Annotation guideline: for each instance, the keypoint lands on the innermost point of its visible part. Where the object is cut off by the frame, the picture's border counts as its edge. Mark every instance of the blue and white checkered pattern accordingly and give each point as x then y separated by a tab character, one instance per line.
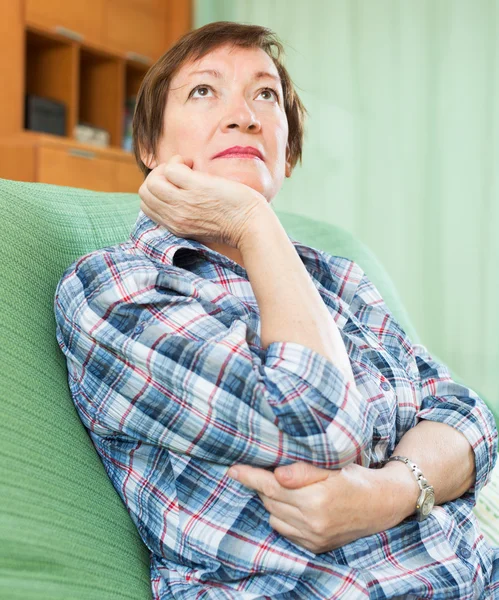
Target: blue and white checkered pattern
166	369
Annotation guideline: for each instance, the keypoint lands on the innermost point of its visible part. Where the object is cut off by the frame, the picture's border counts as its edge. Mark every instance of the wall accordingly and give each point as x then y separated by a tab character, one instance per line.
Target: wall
402	150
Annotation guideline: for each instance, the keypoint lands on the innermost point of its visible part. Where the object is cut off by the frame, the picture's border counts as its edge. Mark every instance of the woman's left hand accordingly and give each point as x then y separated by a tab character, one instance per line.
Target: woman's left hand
320	509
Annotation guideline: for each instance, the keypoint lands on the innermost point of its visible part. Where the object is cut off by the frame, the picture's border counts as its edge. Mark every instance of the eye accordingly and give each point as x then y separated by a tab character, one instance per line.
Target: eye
276	95
200	87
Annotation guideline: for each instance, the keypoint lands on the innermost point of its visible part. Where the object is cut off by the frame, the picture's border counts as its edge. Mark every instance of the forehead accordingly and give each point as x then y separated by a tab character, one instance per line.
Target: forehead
226	58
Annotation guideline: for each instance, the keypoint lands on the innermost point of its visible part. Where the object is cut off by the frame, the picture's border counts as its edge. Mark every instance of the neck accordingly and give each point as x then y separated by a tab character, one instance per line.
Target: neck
229	251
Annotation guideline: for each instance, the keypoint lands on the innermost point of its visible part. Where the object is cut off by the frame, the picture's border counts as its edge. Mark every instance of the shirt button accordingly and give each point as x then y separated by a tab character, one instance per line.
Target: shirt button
464	551
139	329
385	385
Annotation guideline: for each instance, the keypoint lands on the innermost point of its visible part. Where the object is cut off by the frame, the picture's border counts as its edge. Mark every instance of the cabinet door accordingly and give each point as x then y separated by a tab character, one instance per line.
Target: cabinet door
85	18
76	168
137	28
128	177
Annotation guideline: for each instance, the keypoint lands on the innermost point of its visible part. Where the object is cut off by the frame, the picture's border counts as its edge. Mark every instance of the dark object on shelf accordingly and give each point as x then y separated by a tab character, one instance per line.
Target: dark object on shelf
44	114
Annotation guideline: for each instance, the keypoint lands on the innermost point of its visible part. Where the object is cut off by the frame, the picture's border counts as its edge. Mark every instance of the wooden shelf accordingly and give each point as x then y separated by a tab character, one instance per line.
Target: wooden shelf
32	156
101	97
51	69
46	139
91	57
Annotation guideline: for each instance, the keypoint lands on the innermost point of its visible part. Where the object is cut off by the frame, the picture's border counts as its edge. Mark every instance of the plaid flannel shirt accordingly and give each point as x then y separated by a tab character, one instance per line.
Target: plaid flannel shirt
166	370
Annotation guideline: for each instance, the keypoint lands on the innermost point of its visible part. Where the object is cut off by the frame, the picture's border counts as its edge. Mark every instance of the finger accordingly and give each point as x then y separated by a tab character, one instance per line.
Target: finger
181	160
158	193
286	530
300	474
285	512
263	481
156	209
150	213
176	171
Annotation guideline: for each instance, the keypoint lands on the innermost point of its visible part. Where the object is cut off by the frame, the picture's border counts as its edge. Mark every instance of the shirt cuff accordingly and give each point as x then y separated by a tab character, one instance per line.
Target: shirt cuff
309	365
479	428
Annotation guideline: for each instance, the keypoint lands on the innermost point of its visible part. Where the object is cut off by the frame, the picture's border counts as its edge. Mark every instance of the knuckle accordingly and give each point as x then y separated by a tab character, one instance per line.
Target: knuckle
268	503
308	545
274	523
168	170
269	489
315	504
317	526
153	186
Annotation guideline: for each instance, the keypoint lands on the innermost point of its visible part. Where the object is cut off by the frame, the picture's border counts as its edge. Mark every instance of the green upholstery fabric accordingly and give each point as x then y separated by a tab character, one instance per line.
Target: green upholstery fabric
64	532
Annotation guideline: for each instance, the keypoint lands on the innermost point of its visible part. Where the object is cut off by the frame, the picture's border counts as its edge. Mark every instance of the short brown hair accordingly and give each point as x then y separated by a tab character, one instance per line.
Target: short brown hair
151	98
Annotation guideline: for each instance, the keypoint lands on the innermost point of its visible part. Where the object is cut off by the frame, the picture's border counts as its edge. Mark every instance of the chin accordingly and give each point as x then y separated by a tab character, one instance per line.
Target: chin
261	182
253	180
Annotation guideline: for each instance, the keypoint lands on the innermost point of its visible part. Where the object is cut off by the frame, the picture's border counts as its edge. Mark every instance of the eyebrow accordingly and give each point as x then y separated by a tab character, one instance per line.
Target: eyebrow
258	75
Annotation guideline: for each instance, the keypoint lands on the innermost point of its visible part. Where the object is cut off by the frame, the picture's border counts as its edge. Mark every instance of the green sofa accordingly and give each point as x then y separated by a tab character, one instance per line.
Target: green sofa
64	532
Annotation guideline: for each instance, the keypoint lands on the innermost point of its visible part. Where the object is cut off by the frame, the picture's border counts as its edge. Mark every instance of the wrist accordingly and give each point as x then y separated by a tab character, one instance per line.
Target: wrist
258	225
398	490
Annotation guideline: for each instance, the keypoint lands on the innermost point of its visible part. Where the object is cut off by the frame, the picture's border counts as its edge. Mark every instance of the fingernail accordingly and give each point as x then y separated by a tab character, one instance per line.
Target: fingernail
233	473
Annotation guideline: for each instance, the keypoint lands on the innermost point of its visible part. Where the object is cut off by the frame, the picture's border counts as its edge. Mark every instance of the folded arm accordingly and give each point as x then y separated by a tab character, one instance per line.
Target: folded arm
453	441
149	359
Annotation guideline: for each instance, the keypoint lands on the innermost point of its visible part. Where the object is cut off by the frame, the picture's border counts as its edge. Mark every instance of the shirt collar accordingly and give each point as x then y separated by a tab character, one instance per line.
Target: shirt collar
159	243
340	275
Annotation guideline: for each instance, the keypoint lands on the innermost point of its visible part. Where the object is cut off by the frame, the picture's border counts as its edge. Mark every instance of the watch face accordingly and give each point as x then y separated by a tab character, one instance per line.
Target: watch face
428	503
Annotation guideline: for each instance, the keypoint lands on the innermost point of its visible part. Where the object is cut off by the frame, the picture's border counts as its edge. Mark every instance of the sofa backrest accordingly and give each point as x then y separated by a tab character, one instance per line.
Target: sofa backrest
65	532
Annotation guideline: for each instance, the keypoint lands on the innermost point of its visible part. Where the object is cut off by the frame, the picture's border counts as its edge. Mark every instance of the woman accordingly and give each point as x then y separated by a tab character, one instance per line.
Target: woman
211	339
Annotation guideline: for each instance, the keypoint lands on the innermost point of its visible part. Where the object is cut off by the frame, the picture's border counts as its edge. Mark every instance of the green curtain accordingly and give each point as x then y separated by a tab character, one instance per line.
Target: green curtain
402	149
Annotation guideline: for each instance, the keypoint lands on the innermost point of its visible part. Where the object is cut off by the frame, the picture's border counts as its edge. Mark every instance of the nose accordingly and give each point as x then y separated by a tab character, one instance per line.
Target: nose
239	115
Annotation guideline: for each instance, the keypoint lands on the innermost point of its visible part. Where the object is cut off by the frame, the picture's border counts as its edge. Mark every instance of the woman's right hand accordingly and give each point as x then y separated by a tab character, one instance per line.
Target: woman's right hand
198	205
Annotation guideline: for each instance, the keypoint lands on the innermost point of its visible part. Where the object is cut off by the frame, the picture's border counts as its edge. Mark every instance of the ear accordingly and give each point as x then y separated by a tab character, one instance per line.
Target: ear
288	169
148	160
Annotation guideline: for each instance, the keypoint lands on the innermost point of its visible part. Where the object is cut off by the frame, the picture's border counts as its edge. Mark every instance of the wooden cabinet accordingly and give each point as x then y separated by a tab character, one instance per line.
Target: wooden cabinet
75	167
82	20
128	177
44	158
90	56
136	28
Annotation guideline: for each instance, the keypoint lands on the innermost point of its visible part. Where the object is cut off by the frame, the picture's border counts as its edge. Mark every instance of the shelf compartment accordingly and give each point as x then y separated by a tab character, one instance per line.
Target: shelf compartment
51	71
135	73
101	93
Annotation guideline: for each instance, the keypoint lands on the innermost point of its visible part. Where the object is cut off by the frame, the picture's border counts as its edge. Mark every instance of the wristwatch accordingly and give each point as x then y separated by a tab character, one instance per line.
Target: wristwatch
426	499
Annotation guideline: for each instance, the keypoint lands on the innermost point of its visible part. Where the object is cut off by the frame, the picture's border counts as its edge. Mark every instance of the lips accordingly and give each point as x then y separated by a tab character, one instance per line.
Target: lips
242	151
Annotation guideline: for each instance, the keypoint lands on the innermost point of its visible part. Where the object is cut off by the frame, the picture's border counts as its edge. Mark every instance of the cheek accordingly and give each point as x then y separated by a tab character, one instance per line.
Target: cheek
181	138
279	138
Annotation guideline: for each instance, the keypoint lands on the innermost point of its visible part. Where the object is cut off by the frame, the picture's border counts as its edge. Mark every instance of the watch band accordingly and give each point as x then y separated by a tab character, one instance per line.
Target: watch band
426	499
418	474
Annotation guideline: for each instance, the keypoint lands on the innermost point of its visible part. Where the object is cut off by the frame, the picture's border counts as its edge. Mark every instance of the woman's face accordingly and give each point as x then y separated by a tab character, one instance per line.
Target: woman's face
207	113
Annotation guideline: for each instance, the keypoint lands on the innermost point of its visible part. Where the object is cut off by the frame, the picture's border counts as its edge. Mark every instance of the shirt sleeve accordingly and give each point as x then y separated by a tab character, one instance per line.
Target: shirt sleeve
445	401
442	399
149	359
